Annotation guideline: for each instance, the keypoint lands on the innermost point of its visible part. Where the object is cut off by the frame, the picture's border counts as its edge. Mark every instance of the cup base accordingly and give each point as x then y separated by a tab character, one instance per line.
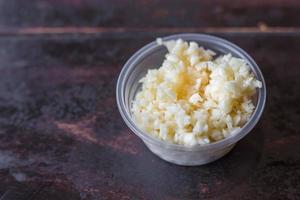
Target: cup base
189	158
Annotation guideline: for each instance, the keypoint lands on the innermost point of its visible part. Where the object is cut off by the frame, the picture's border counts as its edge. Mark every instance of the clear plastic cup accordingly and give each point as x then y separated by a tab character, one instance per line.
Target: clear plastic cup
151	56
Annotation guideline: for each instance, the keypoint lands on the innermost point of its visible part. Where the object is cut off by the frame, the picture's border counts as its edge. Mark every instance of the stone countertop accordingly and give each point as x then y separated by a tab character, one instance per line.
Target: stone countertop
61	134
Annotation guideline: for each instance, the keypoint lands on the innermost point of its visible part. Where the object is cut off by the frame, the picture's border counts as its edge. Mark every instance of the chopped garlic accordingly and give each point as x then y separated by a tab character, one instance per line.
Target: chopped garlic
195	99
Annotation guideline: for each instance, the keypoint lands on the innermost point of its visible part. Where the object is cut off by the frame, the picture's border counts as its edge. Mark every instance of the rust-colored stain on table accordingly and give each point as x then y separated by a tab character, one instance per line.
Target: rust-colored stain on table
62	137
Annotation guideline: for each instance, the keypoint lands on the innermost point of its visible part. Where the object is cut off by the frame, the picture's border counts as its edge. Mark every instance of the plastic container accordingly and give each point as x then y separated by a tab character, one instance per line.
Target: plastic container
152	56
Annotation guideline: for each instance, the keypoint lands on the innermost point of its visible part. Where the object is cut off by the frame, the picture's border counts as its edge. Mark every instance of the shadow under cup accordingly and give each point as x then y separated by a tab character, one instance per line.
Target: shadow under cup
151	56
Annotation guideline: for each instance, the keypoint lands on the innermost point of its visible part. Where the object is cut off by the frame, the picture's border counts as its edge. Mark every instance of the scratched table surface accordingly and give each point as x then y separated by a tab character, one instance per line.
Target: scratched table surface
61	135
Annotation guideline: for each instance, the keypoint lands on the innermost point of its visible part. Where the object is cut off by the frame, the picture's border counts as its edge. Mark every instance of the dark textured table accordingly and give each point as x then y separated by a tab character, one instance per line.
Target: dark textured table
61	135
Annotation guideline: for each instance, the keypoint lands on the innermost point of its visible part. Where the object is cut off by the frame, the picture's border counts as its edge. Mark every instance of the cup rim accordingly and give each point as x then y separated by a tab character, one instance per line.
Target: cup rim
142	53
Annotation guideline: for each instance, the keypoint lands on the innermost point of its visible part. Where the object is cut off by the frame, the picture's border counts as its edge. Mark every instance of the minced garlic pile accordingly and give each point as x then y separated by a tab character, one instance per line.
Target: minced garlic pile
195	99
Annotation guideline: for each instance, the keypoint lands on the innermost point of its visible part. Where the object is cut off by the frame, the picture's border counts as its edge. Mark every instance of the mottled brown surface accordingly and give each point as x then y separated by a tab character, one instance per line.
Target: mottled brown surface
149	13
63	138
61	135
